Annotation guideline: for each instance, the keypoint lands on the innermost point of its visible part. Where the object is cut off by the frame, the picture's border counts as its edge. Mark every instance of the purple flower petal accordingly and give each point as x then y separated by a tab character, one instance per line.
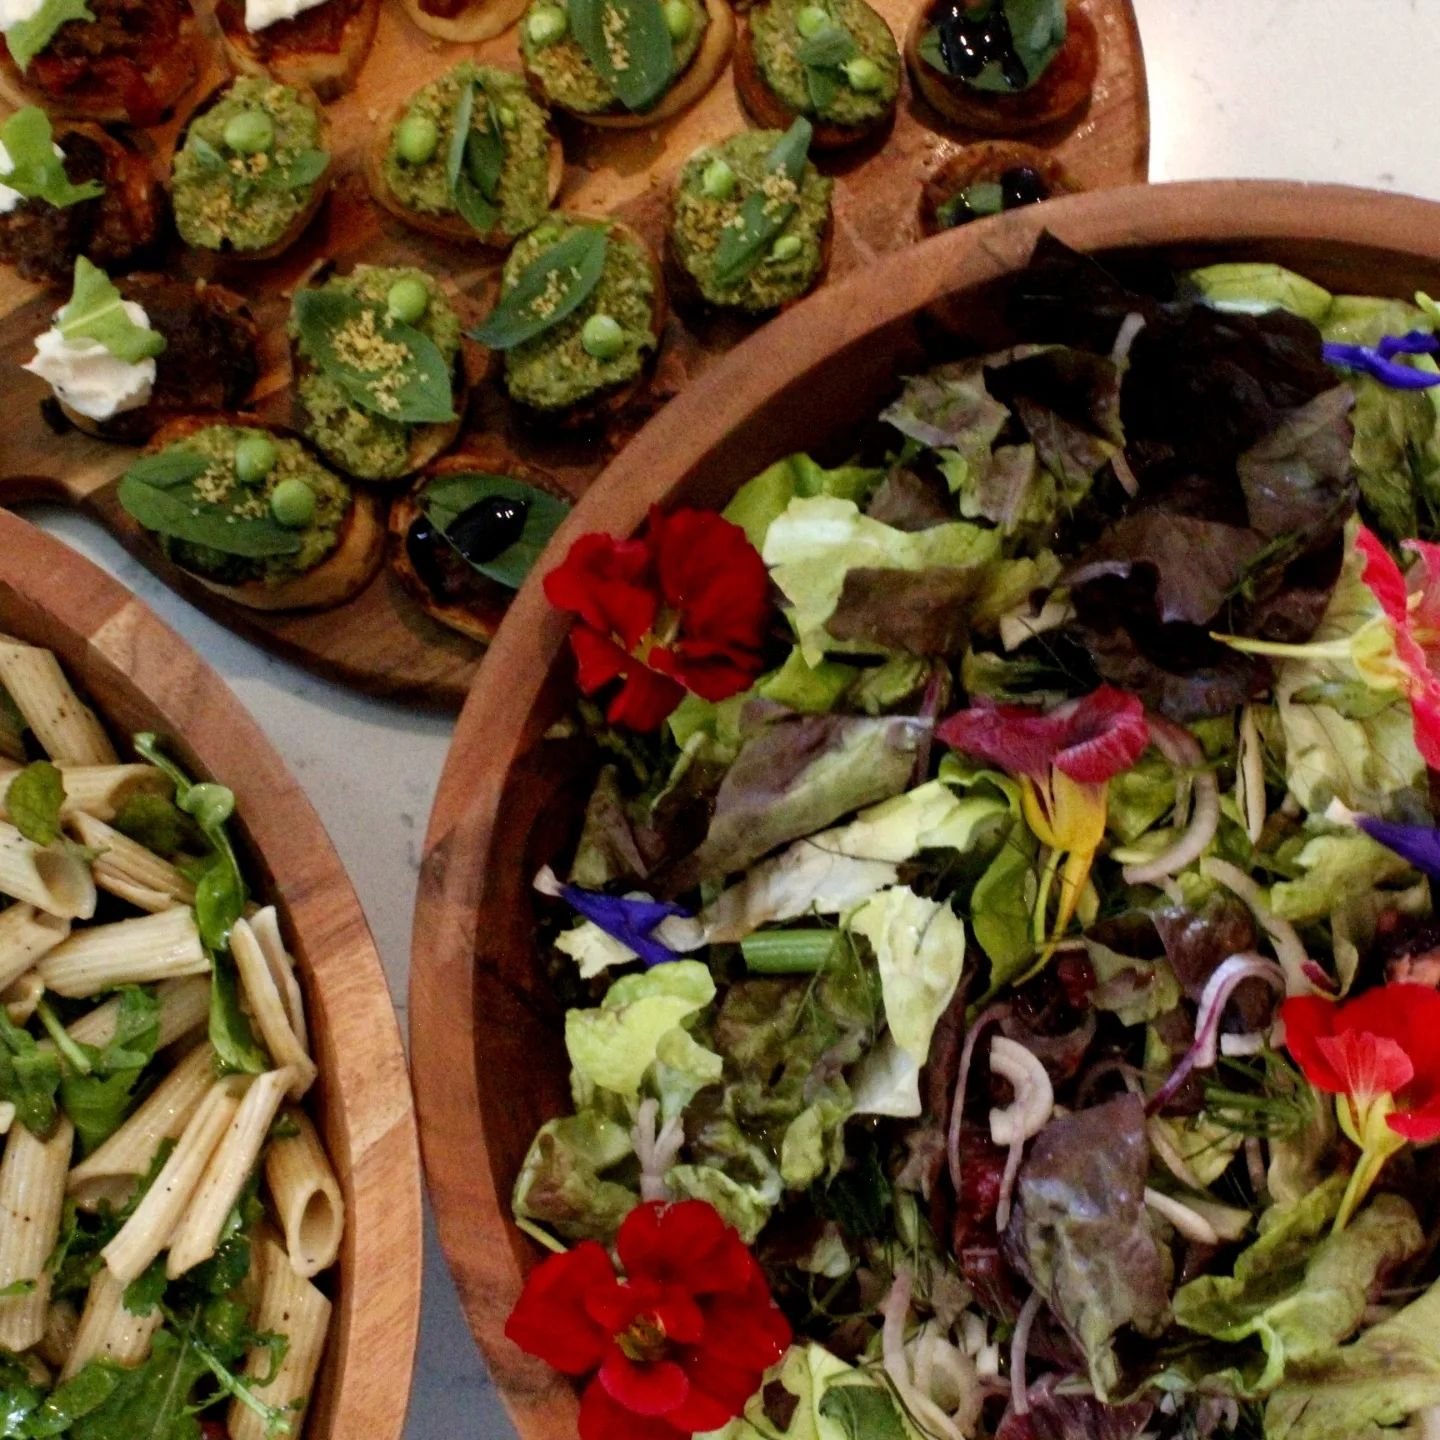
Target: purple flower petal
1376	361
1417	342
1419	844
631	922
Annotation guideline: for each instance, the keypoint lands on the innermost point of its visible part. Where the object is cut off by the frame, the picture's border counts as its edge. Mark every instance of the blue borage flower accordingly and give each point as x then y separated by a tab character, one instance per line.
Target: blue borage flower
630	919
1379	360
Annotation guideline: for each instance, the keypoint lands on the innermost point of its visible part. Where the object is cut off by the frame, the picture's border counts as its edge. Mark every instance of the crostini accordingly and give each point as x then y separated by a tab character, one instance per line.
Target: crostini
464	537
625	63
579	319
252	169
465	22
380	376
988	178
833	61
122	60
489	187
320	44
124	359
253	515
979	71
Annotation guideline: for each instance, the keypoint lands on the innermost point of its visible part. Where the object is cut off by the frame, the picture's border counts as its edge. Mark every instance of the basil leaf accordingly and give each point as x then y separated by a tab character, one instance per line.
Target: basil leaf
474	161
36	171
171	507
236	1048
629	43
208	160
831	45
97	312
33	799
29	37
555	284
824	86
170	468
763	216
305	169
409	380
447	498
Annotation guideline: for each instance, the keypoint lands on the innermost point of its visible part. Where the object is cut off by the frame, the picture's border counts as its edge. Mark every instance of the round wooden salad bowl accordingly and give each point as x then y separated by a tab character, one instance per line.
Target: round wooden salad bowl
486	1045
142	676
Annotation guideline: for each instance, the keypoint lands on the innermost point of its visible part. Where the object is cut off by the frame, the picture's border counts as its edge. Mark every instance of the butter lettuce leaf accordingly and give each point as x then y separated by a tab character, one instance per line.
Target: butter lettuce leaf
565	1181
760	501
1253	287
1335	870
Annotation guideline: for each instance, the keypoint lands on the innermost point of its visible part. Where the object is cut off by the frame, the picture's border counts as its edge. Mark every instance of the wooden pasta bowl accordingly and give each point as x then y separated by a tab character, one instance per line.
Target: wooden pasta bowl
489	1072
140	676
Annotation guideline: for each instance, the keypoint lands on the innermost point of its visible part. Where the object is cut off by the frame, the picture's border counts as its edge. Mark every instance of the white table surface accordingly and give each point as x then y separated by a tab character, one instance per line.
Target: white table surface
1300	89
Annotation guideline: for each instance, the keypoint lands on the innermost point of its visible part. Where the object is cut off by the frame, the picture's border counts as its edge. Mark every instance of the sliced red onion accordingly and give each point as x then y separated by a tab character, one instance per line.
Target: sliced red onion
1213	999
1007	1182
957	1104
1019	1349
1302	975
1183	752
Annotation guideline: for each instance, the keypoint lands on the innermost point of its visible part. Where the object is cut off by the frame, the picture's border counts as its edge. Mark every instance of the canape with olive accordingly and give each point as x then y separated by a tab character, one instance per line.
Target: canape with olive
469	157
750	220
253	515
989	178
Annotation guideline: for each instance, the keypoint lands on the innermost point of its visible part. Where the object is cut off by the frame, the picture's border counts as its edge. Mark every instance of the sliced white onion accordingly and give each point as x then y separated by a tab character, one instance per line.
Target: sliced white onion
1027	1113
1191	1224
1019	1349
1130	327
895	1312
1250	776
1289	948
1124	474
1183	752
981	1022
1241	1045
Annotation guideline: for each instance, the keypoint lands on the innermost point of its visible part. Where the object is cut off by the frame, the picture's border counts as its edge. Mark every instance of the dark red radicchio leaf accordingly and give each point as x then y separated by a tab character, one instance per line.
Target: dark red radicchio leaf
922	612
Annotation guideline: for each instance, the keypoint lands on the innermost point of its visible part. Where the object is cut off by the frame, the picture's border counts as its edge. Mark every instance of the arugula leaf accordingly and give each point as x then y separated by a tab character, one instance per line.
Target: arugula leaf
98	1098
629	43
416	389
475	160
235	1044
29	1077
33	799
447	498
156	823
97	312
36	171
763	216
555	284
822	55
149	1402
144	1294
79	1396
29	37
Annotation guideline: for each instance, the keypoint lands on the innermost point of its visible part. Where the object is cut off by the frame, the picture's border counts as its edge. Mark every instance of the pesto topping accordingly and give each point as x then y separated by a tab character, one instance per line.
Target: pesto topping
796	257
779	40
554	370
247	200
365	444
569	79
424	186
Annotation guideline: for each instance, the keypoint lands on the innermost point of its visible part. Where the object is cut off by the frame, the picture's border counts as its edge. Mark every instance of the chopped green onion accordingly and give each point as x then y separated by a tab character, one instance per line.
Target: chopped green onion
789	952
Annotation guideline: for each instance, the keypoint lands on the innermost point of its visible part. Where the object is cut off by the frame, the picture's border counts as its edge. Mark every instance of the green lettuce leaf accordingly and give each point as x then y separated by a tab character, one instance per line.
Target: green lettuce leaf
1367	319
807	689
683	1068
564	1181
745	1207
36	171
97	312
1394	458
1253	287
760	501
1335	870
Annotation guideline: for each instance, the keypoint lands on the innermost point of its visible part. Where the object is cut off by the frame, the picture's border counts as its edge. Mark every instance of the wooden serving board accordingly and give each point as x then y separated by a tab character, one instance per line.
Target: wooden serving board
381	641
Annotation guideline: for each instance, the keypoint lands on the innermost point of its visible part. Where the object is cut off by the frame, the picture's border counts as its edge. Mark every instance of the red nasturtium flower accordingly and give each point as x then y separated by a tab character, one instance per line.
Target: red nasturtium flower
678	1343
1379	1055
683	607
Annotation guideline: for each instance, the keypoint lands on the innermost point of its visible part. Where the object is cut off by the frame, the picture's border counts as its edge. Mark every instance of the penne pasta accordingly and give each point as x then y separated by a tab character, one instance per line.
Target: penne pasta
307	1197
7	1116
266	925
129	871
12	730
61	1324
22	997
66	728
291	1306
49	877
107	1330
99	790
25	935
129	952
146	1233
184	1008
32	1196
265	1004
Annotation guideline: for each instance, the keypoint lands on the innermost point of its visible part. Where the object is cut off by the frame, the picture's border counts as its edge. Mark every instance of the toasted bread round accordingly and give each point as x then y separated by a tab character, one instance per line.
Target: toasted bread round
693	82
770	112
345	571
281	50
474	605
988	160
167	74
478	20
1064	88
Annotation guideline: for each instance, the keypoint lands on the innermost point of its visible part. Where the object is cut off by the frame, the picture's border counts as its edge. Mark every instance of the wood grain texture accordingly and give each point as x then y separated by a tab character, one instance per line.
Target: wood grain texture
382	641
486	1079
141	676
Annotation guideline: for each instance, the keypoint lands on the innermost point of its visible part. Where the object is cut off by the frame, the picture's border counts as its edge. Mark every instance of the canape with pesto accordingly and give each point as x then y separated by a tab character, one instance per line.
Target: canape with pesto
581	310
464	21
379	373
464	538
833	61
252	170
469	157
254	515
988	178
124	359
750	220
1003	67
624	62
318	43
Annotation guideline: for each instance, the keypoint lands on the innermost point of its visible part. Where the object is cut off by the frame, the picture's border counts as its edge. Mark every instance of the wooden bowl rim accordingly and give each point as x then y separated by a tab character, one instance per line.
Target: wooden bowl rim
482	1246
118	644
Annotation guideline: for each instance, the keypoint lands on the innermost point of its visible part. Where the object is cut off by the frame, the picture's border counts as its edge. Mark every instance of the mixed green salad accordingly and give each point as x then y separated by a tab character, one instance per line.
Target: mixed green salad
1028	946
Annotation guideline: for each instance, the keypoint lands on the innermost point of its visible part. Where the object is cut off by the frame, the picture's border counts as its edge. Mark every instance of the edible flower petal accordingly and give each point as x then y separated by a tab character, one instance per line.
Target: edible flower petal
1419	844
1379	360
630	919
678	1342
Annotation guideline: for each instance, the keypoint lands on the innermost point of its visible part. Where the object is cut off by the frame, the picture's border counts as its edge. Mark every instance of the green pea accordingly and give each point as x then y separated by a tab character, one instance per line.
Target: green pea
417	137
255	458
787	247
407	299
811	20
547	24
863	74
292	503
211	805
679	19
602	337
250	132
718	180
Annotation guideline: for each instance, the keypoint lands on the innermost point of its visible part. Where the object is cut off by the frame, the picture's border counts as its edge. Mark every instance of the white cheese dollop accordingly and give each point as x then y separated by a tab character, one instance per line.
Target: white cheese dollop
12	12
85	376
9	198
260	13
